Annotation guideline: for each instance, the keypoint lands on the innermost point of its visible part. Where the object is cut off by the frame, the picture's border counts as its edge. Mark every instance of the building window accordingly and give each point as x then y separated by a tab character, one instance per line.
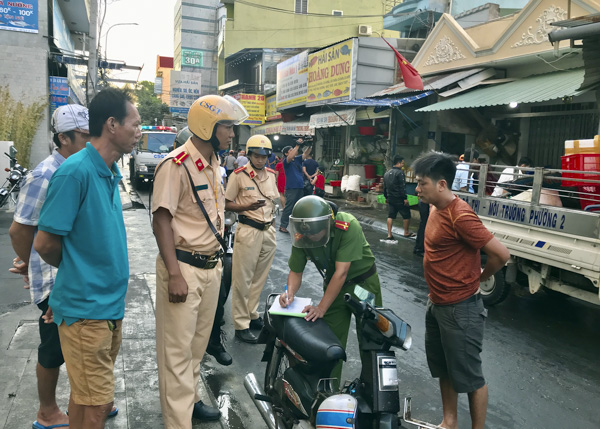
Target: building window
301	6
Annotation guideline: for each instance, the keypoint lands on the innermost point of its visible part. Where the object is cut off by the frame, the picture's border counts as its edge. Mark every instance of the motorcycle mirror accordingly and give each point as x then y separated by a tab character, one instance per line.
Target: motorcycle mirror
364	295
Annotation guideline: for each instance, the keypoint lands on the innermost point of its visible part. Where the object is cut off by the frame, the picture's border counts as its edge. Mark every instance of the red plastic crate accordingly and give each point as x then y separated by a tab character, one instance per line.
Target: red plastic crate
589	194
580	162
335	183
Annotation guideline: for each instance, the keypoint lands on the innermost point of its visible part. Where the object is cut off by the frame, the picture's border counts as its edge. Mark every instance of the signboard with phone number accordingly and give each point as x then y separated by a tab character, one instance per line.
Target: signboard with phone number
19	16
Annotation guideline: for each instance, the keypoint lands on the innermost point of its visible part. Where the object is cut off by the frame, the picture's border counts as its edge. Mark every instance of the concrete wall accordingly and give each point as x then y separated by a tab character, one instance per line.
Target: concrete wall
24	69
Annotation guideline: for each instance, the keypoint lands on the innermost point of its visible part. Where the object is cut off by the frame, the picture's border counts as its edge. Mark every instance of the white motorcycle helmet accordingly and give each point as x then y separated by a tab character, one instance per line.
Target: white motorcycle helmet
338	411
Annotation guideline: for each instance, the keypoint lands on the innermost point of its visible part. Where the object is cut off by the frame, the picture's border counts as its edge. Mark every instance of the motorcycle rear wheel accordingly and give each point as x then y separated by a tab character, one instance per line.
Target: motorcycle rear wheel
275	368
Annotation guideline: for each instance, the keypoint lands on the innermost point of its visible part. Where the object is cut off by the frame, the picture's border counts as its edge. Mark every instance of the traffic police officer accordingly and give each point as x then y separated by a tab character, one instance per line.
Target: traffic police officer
188	267
336	244
251	192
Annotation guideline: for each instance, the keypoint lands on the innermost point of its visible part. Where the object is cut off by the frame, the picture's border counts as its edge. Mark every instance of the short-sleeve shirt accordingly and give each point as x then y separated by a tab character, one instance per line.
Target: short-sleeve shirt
229	162
311	166
461	178
320	182
454	237
245	187
281	177
173	191
31	198
83	206
344	246
293	173
241	161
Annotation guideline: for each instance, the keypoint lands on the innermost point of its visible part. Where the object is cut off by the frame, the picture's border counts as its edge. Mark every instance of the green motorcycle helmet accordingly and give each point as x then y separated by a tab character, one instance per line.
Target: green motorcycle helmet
310	222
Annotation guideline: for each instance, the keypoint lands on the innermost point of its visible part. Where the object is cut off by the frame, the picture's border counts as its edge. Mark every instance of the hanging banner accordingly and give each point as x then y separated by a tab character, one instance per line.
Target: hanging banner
59	92
192	58
185	89
158	81
340	118
255	105
19	16
271	108
332	74
297	129
292	78
267	129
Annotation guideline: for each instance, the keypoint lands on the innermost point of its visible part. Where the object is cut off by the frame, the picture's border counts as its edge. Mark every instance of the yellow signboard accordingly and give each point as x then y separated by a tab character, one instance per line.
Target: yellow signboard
255	105
331	74
271	108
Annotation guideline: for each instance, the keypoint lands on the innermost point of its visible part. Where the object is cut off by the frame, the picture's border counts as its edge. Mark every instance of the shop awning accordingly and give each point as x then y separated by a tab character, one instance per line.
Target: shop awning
294	128
531	89
340	118
384	102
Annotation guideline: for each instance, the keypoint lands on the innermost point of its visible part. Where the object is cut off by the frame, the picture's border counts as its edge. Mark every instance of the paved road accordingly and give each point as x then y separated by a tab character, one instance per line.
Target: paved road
540	353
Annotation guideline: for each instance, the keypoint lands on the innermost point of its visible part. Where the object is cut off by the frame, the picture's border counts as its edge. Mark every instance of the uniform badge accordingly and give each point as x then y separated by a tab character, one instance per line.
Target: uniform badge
180	158
252	174
342	225
199	165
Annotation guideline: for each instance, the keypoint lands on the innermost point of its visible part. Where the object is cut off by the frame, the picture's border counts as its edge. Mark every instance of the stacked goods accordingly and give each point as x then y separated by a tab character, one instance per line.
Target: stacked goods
583	155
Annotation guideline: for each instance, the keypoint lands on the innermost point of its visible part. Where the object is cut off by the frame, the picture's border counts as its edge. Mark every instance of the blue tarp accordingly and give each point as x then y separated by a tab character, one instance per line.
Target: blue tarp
384	103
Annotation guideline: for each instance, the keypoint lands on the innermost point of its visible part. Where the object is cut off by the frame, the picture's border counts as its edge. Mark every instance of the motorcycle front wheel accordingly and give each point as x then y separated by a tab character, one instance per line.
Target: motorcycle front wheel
275	368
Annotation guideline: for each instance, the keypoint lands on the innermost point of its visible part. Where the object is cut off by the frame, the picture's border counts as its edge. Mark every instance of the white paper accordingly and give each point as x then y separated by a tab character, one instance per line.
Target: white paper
294	309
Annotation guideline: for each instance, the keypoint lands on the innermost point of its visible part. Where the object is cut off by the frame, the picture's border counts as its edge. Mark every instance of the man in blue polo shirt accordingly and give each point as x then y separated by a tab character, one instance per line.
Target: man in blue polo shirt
81	231
294	181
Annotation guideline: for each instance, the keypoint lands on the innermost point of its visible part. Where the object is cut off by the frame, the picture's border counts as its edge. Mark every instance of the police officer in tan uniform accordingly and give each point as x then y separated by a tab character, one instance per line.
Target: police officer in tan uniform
251	191
188	268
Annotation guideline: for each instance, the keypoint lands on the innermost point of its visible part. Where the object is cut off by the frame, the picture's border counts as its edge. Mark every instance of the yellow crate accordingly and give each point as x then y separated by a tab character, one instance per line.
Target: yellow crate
583	146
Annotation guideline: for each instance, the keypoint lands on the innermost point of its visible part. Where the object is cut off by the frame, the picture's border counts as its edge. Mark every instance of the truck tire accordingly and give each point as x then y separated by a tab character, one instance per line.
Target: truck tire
494	290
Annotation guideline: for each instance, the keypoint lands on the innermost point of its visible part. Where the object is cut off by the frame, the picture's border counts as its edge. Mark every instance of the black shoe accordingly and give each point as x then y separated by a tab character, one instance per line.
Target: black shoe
419	252
257	324
219	353
205	413
245	335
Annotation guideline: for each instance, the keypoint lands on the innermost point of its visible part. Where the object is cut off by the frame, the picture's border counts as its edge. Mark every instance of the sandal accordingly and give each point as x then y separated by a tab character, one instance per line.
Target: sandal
410	235
282	229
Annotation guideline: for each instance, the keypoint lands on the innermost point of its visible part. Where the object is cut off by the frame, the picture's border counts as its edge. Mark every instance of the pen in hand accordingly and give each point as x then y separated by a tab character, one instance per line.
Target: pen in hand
286	297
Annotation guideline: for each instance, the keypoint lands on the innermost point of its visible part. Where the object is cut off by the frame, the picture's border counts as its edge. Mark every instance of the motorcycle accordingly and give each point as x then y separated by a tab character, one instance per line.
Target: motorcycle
10	188
297	392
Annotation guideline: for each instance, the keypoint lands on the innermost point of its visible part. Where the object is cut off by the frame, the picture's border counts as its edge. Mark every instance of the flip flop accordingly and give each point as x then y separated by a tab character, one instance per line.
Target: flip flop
411	235
37	425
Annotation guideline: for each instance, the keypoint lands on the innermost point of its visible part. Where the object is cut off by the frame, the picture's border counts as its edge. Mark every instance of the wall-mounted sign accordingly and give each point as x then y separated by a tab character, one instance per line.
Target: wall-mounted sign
292	80
271	108
331	74
192	58
185	89
59	92
255	105
19	16
158	87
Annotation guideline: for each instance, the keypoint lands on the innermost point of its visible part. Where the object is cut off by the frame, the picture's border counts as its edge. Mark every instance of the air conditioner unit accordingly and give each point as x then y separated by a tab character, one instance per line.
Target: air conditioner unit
365	30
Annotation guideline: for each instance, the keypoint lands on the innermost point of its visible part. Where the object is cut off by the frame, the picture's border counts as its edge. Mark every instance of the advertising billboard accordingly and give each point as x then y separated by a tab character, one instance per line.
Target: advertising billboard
185	89
192	58
255	105
332	74
271	108
19	16
59	92
292	80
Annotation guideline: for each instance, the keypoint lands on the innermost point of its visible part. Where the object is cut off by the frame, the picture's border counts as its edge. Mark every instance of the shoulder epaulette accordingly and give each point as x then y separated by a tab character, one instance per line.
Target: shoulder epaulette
342	225
270	170
178	159
239	170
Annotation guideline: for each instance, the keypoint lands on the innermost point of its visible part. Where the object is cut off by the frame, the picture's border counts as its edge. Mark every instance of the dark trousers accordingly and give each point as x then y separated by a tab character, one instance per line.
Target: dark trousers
215	334
424	213
291	197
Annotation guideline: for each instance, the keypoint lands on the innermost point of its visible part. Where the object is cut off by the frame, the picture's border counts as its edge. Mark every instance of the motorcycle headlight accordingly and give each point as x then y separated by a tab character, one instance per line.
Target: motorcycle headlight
230	218
142	168
14	176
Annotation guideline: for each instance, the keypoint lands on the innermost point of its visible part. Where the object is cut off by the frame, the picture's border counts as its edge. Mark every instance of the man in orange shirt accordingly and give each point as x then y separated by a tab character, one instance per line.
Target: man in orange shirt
455	315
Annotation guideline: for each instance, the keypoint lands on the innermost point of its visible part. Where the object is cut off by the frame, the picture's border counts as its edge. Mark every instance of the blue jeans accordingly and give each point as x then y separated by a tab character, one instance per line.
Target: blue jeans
291	197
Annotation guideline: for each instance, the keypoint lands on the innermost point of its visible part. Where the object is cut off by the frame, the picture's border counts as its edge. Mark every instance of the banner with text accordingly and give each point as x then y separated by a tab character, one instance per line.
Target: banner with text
59	92
19	16
332	74
192	58
292	80
271	108
185	89
255	105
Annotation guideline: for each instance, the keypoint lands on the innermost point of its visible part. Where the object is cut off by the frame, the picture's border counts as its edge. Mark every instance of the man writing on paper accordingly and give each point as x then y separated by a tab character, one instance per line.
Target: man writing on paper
336	244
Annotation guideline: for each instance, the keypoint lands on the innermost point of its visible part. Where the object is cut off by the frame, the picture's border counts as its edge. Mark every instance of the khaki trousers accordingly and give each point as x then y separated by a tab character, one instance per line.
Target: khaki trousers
182	332
253	253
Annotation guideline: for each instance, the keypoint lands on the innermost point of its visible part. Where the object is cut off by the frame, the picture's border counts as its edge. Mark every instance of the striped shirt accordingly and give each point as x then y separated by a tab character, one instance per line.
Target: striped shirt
31	198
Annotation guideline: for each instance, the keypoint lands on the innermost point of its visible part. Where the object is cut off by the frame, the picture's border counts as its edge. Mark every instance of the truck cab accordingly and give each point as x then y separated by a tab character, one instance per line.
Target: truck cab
155	144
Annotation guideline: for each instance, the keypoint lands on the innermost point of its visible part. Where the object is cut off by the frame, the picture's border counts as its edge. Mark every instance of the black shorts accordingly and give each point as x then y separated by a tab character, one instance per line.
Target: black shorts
394	209
454	341
49	351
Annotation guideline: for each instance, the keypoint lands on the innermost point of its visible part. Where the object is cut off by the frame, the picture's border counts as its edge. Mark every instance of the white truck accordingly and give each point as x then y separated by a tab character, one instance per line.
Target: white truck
549	224
155	144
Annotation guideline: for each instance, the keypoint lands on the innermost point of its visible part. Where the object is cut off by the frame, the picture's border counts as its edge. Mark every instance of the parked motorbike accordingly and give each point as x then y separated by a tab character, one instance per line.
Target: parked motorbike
297	392
10	188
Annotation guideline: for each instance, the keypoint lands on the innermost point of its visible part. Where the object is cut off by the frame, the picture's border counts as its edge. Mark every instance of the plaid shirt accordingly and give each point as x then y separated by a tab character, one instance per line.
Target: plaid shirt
31	198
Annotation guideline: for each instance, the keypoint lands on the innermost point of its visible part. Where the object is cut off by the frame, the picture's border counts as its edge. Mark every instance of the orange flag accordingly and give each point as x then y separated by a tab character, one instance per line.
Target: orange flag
409	73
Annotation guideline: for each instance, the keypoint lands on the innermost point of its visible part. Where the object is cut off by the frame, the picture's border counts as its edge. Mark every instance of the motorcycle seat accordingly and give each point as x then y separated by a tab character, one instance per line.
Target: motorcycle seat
314	341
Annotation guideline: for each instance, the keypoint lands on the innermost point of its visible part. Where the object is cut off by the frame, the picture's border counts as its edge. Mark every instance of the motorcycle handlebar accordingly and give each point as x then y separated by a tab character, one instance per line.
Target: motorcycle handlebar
359	307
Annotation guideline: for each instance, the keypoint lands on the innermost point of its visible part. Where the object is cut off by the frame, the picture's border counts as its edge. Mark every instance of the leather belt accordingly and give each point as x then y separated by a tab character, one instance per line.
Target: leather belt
254	224
364	276
197	260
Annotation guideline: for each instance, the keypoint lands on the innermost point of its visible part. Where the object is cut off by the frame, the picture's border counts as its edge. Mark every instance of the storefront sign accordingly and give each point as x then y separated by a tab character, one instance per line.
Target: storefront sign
271	108
185	89
333	119
268	129
331	74
297	129
59	92
192	58
292	78
19	16
158	81
255	105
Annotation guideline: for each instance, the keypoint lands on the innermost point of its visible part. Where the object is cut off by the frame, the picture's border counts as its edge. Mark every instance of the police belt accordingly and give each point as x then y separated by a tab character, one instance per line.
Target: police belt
254	224
362	277
199	261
